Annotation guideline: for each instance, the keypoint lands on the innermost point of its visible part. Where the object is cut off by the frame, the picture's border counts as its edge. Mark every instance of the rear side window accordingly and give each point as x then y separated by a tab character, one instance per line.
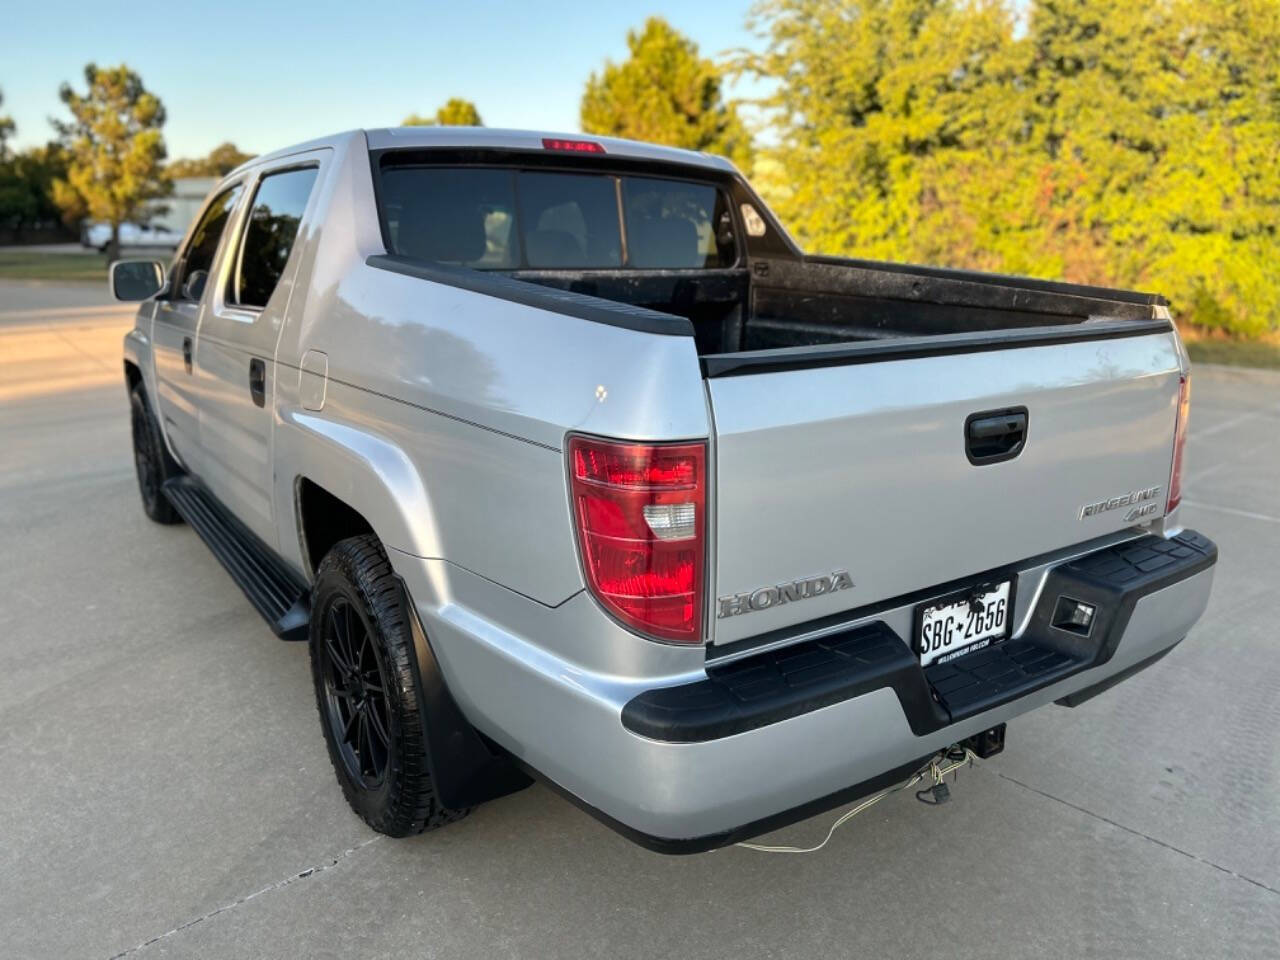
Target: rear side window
204	243
270	233
503	219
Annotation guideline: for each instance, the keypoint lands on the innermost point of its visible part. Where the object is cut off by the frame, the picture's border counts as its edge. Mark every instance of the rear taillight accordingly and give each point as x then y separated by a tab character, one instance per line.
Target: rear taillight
641	514
1179	442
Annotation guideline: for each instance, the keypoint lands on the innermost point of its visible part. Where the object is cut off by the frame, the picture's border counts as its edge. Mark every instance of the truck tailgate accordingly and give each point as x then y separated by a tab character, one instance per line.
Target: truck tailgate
863	468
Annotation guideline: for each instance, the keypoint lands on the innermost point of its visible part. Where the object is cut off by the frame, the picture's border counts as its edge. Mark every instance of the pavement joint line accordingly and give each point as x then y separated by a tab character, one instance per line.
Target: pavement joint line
1209	471
1138	833
1249	514
1233	422
293	878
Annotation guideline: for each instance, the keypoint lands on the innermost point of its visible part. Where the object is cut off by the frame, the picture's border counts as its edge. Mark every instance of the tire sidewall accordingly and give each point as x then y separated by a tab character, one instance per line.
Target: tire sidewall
339	578
157	506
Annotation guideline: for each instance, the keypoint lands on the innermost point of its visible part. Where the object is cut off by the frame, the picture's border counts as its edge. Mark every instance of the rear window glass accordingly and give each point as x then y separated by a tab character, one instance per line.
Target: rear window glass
674	224
569	220
503	219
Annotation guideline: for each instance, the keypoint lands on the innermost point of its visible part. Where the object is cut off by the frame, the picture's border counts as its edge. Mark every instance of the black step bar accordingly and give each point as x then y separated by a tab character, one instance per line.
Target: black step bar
275	591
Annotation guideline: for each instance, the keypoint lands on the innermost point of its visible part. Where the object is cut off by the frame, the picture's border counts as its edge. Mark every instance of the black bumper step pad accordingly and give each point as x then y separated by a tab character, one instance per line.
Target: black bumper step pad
273	589
968	683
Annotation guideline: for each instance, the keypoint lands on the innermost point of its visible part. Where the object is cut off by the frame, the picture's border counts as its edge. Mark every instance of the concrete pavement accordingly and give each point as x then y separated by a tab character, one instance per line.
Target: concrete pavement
164	788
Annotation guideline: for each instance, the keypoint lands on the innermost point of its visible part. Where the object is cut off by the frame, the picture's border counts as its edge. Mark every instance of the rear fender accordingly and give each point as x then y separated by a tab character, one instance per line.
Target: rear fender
366	471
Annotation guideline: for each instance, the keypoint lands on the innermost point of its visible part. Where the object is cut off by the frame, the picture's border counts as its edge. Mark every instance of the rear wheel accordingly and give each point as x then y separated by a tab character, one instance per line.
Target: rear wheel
151	460
365	675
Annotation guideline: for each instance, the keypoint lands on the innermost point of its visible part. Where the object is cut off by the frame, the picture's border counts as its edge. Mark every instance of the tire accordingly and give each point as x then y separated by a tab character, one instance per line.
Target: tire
364	669
151	460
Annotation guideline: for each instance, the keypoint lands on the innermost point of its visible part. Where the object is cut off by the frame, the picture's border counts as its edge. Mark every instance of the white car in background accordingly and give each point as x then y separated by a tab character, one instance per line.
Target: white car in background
98	236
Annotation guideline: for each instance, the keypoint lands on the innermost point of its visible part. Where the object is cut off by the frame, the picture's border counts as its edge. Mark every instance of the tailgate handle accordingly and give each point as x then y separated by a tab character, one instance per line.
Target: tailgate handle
995	435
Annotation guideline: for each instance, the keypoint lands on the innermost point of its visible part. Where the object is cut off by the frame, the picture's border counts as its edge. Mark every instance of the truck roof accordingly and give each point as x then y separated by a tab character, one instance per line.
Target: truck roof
385	138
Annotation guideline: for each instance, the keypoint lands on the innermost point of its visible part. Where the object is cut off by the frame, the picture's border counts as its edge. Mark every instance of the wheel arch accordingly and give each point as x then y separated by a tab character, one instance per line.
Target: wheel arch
323	519
132	374
345	481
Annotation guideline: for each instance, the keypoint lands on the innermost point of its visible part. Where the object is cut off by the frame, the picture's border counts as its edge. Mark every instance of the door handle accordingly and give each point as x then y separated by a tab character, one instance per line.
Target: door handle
257	381
186	353
995	435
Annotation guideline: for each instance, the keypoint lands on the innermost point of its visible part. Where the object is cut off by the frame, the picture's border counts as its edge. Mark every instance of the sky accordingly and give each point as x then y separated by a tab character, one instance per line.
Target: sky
264	75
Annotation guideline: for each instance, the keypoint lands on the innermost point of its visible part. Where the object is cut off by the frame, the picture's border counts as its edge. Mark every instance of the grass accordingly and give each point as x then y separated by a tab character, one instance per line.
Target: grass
1235	353
58	267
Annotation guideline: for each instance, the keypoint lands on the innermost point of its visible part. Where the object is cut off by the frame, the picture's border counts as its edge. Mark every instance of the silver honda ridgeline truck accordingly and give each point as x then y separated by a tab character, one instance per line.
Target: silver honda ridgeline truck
567	463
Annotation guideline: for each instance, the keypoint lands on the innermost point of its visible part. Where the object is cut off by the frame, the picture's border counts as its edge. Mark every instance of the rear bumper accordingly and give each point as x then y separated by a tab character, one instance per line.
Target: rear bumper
736	749
794	680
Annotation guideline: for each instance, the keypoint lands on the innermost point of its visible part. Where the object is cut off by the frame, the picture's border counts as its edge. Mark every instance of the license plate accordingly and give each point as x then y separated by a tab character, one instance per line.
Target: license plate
962	622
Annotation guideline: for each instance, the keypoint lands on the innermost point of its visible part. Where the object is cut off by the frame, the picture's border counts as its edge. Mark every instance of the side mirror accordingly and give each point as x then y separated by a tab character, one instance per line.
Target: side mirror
193	285
134	280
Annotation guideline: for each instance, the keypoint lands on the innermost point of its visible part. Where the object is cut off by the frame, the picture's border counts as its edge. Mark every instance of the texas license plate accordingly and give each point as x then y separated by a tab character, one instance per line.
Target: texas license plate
962	622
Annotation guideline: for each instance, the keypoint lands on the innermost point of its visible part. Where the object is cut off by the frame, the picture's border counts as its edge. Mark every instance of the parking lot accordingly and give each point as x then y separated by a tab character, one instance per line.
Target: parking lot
165	791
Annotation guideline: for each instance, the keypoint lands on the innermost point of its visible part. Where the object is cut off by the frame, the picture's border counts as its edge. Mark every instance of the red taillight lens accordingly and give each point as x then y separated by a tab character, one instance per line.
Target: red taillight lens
1179	442
641	516
572	146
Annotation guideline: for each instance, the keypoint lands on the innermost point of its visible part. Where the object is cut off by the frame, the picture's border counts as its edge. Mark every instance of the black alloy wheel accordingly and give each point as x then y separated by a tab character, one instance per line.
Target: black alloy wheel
355	685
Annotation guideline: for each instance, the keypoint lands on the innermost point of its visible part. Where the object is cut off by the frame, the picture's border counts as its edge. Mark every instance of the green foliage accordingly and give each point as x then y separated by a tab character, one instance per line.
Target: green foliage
115	149
26	186
455	112
220	161
664	92
7	128
1108	142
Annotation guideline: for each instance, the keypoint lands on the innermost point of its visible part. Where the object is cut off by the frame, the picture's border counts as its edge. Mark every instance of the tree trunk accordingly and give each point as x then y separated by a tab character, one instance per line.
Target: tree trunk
113	245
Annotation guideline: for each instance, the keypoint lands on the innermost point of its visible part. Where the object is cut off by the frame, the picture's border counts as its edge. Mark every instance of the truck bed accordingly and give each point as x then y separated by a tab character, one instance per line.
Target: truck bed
787	303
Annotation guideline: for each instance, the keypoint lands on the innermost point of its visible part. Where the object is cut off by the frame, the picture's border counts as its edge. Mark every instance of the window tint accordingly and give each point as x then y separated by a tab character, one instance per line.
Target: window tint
204	243
273	222
495	218
673	224
460	216
569	220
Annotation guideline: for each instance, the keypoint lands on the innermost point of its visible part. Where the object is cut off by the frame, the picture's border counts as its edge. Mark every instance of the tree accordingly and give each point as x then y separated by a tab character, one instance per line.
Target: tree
115	150
1107	142
872	101
456	112
7	129
26	186
220	161
664	92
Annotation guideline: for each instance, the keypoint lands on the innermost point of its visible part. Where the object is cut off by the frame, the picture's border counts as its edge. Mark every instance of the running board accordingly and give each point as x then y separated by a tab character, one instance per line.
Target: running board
273	589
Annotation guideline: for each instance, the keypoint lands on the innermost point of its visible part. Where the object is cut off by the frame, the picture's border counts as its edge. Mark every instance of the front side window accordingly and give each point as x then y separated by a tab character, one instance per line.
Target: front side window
204	243
504	219
269	235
